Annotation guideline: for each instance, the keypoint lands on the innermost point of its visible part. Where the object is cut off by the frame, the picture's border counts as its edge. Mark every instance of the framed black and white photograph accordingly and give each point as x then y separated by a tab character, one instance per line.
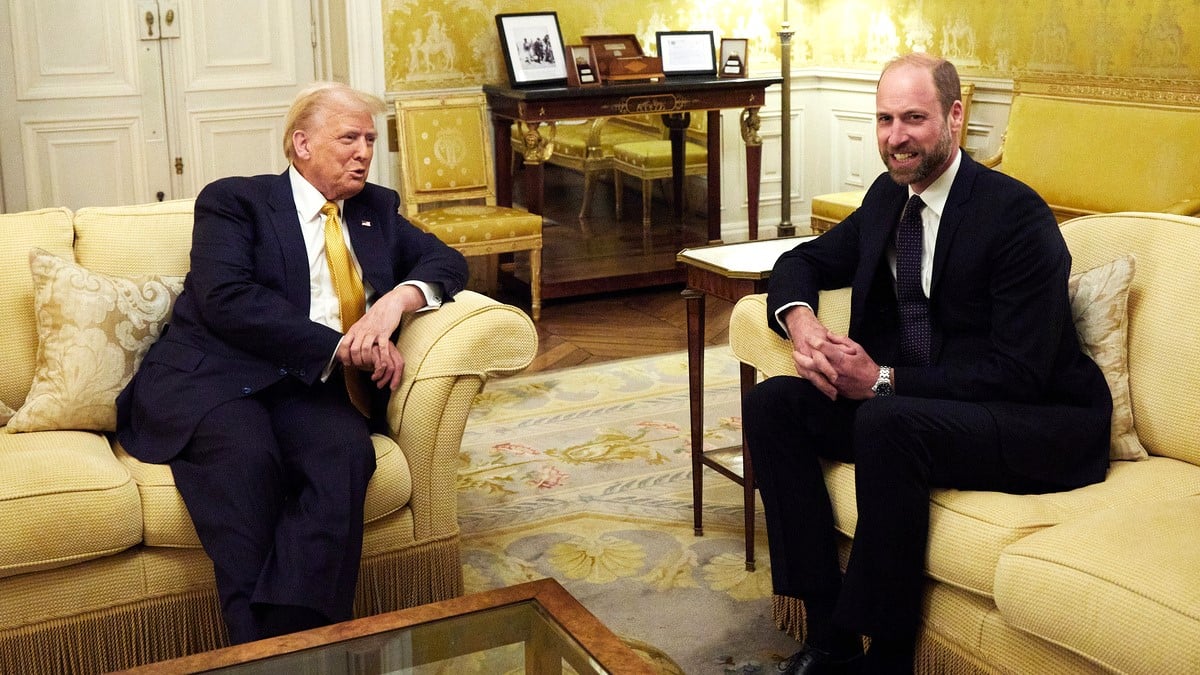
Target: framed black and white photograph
687	52
732	62
583	70
533	48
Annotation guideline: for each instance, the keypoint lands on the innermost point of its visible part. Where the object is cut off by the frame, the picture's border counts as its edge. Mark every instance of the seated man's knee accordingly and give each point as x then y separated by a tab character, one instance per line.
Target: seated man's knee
773	397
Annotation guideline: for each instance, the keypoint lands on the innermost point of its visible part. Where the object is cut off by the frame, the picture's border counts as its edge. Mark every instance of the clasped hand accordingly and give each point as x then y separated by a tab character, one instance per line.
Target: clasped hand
368	344
835	364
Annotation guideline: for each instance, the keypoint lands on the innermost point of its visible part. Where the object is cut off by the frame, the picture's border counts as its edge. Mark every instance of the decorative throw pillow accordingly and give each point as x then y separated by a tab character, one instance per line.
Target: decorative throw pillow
1099	304
6	414
93	331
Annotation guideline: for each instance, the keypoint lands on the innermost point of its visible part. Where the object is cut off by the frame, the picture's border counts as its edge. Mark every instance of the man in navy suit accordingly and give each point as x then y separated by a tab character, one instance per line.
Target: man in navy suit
961	369
245	394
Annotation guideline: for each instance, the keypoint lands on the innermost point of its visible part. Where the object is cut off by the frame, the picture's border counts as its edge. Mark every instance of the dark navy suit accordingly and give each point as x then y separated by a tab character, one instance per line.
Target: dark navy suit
272	462
1008	403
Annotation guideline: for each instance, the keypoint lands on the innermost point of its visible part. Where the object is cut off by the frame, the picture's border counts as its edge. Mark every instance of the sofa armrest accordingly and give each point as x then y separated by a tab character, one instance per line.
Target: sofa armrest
449	354
754	343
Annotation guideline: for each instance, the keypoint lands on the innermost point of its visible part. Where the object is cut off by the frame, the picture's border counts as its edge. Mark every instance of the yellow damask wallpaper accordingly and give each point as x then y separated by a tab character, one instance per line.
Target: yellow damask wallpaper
452	43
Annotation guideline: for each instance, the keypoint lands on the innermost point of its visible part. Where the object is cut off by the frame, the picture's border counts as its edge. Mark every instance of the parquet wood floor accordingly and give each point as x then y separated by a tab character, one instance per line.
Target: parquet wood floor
604	327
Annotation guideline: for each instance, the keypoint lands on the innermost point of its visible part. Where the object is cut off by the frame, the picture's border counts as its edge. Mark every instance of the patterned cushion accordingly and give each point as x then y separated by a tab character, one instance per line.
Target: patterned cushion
470	224
6	413
92	333
1099	303
49	229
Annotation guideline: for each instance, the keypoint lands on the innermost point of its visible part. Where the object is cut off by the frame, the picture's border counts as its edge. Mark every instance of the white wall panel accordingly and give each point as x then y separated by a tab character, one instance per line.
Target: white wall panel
93	162
63	54
237	142
232	44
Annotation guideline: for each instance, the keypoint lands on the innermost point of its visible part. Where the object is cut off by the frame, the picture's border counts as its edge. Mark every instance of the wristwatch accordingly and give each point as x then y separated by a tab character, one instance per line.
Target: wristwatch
883	385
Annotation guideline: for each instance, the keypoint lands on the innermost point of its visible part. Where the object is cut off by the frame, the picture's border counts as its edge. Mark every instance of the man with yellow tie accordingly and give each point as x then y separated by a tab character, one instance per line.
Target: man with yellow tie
278	361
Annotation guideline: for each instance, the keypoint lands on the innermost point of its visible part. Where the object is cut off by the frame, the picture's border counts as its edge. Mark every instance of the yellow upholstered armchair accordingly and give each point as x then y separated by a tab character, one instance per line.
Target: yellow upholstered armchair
650	160
830	209
448	185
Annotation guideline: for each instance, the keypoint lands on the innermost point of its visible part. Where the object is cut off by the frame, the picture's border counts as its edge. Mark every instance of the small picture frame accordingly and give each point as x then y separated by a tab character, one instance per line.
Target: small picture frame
732	62
582	68
687	52
533	49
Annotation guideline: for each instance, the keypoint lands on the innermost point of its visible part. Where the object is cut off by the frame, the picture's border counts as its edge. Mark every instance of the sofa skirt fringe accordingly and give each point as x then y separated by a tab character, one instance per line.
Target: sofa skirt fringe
171	626
935	655
117	638
413	576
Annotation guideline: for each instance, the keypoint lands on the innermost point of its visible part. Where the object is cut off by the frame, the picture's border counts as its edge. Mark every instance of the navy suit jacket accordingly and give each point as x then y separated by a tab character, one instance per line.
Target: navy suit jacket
242	322
1002	331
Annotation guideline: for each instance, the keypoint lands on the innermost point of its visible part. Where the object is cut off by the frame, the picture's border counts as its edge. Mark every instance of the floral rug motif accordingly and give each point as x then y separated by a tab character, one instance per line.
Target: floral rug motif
584	475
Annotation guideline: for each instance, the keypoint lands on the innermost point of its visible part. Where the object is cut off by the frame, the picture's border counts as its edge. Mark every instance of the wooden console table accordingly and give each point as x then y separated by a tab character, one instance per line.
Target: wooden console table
673	97
727	271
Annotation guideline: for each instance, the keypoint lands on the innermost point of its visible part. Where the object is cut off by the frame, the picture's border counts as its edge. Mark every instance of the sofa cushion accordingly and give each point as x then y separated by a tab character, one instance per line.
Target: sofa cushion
162	246
1099	298
1082	585
93	331
49	229
969	529
6	413
167	523
64	499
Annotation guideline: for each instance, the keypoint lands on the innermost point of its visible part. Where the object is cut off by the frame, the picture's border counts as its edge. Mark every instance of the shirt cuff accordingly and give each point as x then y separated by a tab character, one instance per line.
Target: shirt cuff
431	291
784	310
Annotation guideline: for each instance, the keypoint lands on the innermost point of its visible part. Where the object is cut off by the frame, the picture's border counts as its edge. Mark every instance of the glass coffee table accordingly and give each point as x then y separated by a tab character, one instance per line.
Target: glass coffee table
536	627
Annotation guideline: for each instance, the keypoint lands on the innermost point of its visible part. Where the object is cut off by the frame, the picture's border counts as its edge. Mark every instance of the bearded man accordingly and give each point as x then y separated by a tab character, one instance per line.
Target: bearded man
961	369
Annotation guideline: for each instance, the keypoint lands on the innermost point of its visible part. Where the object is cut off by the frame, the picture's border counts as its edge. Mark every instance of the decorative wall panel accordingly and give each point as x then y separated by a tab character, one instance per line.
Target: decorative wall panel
56	149
62	55
437	43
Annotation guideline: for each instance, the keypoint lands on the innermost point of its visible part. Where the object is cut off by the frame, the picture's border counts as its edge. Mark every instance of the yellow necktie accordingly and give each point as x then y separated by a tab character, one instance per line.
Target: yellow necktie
351	299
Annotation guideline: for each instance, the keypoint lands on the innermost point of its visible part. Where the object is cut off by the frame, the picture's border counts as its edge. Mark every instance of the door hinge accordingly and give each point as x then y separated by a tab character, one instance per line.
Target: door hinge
179	166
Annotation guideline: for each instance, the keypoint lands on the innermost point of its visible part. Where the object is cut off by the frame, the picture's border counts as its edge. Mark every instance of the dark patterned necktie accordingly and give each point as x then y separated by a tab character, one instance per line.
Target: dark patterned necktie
910	296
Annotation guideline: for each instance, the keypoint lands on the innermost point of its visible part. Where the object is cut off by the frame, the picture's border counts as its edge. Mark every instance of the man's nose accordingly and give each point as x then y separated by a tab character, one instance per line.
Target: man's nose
895	133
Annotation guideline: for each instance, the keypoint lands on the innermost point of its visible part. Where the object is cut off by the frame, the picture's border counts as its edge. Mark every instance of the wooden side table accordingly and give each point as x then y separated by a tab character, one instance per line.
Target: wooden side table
726	271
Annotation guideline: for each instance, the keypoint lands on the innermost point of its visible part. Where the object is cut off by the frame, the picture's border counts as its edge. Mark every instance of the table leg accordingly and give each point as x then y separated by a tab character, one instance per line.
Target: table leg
677	124
695	338
537	151
502	144
749	377
713	132
750	125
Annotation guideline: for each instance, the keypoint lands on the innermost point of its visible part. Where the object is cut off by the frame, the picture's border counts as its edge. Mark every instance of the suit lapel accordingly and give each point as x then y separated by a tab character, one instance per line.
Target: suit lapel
286	225
366	232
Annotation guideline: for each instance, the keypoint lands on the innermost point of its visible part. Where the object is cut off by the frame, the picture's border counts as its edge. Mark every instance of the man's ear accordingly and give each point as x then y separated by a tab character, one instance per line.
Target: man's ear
300	144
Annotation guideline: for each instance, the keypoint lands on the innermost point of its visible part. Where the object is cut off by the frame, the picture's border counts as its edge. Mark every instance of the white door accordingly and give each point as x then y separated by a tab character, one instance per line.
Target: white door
129	101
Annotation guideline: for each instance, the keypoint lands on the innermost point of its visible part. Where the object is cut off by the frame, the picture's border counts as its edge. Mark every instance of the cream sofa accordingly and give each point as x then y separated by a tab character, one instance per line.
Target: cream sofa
1103	578
100	567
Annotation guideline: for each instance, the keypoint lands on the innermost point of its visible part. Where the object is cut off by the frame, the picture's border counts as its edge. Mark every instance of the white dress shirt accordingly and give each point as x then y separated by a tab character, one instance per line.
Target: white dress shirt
324	307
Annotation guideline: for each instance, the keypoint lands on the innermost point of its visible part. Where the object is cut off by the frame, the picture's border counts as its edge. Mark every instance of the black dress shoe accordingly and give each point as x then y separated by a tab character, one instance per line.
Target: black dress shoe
813	661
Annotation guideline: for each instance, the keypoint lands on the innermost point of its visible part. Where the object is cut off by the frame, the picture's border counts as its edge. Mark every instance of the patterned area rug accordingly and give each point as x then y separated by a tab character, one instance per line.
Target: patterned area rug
583	475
